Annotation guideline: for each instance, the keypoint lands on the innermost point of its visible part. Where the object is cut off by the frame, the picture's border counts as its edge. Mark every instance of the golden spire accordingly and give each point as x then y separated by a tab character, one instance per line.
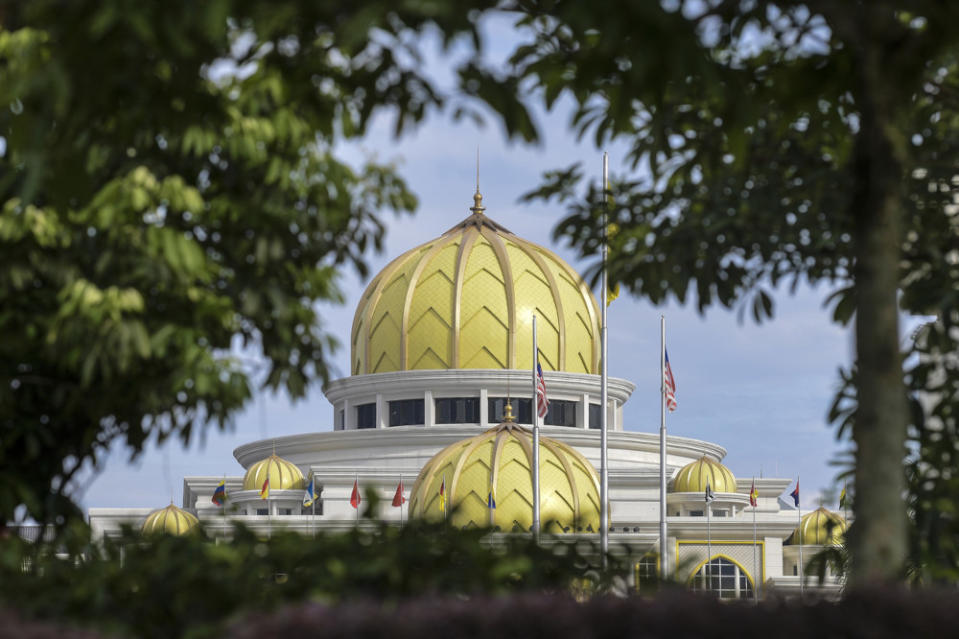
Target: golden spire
508	417
477	207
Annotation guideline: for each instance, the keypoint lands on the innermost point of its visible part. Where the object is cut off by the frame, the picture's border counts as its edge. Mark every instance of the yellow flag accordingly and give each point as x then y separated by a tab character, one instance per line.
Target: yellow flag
612	294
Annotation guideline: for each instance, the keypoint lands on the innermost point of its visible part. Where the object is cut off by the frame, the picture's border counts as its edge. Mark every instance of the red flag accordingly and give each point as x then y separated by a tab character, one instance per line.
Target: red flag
398	498
355	498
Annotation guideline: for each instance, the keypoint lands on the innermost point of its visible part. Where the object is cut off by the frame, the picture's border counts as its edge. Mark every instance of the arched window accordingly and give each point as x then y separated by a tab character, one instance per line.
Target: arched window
723	577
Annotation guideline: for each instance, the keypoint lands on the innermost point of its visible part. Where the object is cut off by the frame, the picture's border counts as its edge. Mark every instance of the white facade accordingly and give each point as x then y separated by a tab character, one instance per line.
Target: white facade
379	458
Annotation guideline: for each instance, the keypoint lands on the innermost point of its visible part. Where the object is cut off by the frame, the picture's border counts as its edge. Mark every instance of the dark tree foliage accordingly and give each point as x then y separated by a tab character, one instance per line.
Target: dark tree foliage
190	587
171	193
787	142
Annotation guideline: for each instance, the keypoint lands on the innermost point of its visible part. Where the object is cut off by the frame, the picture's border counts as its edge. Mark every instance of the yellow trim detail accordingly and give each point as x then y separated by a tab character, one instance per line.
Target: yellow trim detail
728	542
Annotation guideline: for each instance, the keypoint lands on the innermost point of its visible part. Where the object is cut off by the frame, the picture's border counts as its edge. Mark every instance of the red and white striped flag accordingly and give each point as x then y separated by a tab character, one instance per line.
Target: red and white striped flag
542	404
669	385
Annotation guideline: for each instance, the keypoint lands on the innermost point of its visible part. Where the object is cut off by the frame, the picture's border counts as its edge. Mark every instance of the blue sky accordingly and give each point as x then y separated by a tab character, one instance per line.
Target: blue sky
760	391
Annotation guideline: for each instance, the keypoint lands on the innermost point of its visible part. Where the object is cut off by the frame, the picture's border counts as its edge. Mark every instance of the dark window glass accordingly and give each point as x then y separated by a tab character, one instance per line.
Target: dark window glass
406	412
366	416
342	419
261	511
561	413
457	410
695	513
595	417
522	410
286	511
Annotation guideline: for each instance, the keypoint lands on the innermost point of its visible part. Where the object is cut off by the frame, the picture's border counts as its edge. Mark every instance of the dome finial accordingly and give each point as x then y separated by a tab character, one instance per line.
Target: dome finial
508	416
477	207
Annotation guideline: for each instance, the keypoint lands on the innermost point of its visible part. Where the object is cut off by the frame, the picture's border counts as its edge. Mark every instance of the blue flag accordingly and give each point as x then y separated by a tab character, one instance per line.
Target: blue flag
795	494
309	495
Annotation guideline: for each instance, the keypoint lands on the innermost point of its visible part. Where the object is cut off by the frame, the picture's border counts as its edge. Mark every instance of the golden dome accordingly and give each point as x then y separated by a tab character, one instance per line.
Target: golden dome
283	474
466	300
692	477
819	528
170	520
569	486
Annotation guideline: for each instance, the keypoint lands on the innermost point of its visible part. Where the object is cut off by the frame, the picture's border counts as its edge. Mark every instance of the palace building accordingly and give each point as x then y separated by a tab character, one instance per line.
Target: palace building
440	399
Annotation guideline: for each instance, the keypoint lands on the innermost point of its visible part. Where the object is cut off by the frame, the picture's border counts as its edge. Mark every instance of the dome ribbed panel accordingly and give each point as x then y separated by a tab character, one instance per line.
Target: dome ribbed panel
819	528
502	457
429	332
170	520
536	298
581	324
693	477
283	475
386	320
466	300
484	318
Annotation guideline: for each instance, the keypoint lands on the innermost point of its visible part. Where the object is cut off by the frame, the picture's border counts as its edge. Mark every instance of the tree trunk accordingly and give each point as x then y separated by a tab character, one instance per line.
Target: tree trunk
878	539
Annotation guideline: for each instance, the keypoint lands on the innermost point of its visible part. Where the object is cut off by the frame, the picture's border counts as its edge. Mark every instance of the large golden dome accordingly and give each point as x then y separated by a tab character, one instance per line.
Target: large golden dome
466	300
170	520
693	477
283	474
819	528
501	460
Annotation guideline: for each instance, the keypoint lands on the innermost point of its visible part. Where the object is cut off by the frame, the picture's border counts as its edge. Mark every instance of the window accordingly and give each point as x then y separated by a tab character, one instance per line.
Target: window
561	413
366	416
262	511
720	513
522	410
724	578
645	572
406	412
595	417
457	410
342	423
696	513
286	511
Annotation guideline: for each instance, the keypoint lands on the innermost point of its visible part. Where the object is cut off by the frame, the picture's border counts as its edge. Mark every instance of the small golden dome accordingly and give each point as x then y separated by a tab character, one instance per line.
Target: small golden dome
170	520
500	461
466	300
283	474
819	528
693	477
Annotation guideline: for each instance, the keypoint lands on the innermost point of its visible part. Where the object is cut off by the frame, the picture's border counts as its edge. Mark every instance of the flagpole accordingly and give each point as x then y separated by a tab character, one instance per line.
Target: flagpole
663	547
709	541
799	519
755	549
356	484
535	411
604	382
313	505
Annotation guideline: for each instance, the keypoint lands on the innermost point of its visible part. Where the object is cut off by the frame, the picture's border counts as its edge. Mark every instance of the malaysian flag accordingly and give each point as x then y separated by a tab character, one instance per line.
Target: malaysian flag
669	385
542	404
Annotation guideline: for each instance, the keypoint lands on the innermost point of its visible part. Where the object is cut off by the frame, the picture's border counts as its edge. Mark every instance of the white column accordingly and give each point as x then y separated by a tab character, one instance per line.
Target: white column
484	407
429	409
382	412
